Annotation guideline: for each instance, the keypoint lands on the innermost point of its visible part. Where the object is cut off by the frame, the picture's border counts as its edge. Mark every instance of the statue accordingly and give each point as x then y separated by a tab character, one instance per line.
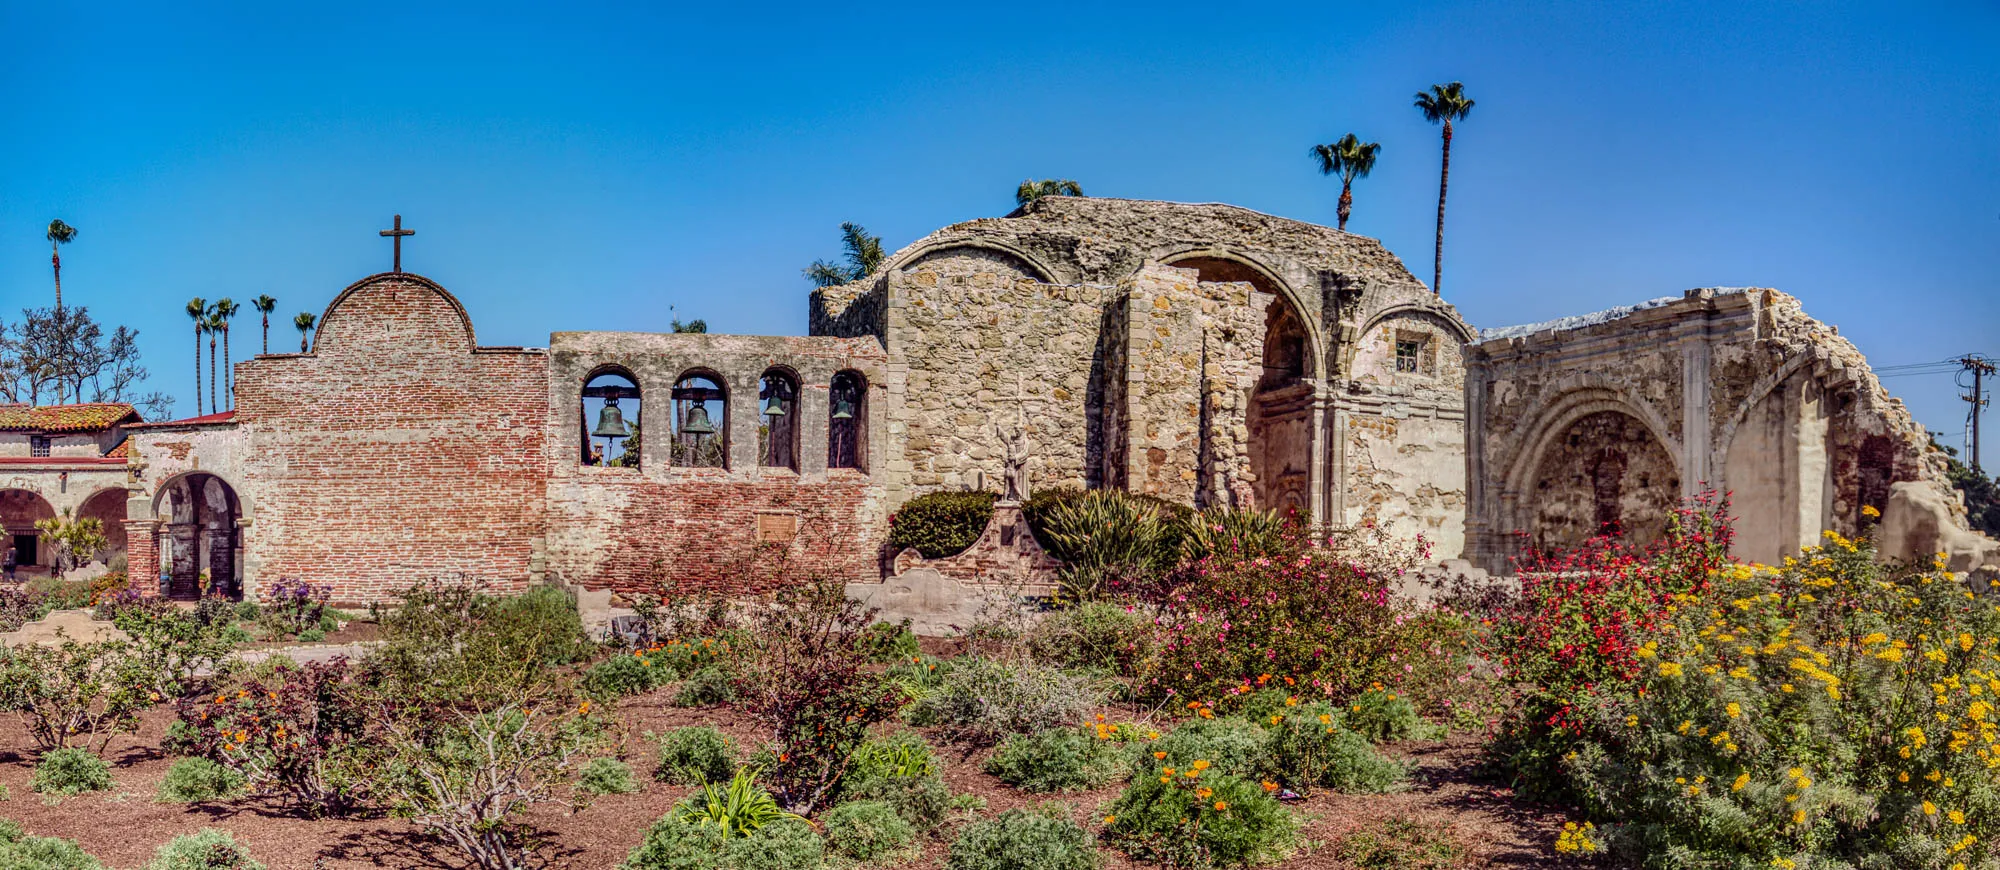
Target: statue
1015	459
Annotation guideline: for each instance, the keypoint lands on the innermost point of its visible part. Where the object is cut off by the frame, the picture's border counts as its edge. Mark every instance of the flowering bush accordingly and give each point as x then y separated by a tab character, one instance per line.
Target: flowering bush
622	675
1310	748
1826	710
1057	759
293	607
299	732
1194	817
1383	715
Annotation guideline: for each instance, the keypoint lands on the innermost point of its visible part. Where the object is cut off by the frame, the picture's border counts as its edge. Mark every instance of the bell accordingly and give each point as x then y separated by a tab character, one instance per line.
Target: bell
697	422
843	408
610	421
775	407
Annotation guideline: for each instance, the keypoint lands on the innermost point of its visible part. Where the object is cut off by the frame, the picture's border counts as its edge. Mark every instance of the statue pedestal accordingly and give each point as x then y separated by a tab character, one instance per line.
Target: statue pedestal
1006	554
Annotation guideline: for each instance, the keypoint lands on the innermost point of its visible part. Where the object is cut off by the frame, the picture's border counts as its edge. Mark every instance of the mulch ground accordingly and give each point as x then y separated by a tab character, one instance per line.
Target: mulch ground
123	827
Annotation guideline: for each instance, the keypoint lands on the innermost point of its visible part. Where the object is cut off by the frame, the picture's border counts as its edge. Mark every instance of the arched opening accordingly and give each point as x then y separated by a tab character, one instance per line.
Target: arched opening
19	511
1281	415
107	506
847	422
200	544
701	422
608	419
778	420
1605	474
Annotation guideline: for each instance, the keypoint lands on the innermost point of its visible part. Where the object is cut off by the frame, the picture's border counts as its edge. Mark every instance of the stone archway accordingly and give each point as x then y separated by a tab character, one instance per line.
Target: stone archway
107	506
20	509
1603	474
200	522
1281	415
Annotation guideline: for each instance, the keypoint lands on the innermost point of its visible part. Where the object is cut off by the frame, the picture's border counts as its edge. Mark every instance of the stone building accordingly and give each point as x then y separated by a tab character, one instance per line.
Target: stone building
63	460
1203	353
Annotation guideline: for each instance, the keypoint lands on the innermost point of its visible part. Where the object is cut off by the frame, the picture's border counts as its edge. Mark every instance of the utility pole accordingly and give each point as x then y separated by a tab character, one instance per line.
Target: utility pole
1980	367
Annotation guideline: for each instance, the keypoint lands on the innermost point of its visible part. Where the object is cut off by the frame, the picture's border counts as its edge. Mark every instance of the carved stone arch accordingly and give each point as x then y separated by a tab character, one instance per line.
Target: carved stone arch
330	320
1456	326
1719	453
1030	264
1612	486
1264	278
1580	398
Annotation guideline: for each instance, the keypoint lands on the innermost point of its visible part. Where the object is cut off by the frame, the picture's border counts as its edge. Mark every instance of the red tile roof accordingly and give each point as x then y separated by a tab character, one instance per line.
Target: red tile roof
123	449
90	417
203	420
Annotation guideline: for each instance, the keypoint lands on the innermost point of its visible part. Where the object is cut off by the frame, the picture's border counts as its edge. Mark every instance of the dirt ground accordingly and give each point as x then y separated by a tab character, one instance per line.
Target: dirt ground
124	826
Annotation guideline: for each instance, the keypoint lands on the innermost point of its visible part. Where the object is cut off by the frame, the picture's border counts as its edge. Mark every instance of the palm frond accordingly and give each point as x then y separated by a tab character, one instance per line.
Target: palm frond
61	233
1444	103
197	308
864	251
1031	189
304	321
264	303
825	274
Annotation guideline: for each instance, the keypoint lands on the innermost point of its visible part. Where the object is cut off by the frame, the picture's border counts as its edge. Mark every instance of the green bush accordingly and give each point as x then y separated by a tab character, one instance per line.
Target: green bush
454	644
1236	534
71	771
785	844
181	651
623	675
983	700
1092	634
940	524
207	849
728	826
674	843
1310	748
1384	716
1023	840
1056	759
20	850
695	755
1230	745
887	642
76	693
193	780
1193	817
866	830
710	686
602	776
1404	845
903	772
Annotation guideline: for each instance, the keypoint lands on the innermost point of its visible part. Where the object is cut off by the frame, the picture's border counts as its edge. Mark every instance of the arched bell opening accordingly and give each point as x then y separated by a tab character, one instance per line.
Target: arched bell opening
847	422
608	419
778	420
201	542
700	422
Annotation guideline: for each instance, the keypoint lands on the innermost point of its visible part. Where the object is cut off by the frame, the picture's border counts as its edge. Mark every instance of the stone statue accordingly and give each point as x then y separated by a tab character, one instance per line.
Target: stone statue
1015	460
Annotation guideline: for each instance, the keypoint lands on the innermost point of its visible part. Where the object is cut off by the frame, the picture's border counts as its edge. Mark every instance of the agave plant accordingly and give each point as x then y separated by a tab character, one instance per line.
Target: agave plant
1106	537
1235	533
738	808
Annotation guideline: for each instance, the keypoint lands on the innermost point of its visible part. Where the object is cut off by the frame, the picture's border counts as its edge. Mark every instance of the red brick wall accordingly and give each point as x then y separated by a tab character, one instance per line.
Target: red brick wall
142	555
396	451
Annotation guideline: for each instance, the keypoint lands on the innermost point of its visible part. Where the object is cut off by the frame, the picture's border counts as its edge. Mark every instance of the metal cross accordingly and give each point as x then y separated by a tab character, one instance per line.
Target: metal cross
398	233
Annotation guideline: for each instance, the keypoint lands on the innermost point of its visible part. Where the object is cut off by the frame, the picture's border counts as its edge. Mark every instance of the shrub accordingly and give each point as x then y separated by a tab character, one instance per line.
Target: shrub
16	608
182	651
72	541
1020	840
108	584
207	849
1192	817
710	686
695	755
300	732
1056	759
940	524
983	700
193	780
1092	634
449	643
786	844
623	675
808	681
75	693
51	593
294	607
1237	534
1229	745
903	772
466	775
1111	543
1310	748
604	776
866	830
22	851
70	771
1383	716
675	842
890	642
1402	844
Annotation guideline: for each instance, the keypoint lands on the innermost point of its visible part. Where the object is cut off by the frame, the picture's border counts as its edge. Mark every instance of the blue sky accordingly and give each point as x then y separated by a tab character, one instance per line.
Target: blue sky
587	167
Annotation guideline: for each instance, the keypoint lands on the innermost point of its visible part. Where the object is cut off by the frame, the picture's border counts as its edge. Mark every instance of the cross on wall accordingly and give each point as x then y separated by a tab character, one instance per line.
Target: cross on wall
397	235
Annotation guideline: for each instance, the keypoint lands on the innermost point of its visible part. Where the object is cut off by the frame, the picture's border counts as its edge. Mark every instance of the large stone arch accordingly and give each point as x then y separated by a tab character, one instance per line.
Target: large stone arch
202	519
20	509
1577	427
1224	265
1018	259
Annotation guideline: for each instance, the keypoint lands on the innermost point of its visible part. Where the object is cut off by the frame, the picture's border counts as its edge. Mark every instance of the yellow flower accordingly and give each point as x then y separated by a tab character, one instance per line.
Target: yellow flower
1734	710
1110	819
1930	809
1670	669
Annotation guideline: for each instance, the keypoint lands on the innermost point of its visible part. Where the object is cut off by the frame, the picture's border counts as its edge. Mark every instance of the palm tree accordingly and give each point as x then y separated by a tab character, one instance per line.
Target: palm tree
59	234
1443	104
1350	158
226	308
264	304
305	324
863	254
197	310
213	324
1032	190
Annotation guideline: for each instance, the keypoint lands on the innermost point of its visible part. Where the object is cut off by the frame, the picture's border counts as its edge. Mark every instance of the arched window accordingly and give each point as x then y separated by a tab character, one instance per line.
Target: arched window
778	420
609	420
701	422
847	426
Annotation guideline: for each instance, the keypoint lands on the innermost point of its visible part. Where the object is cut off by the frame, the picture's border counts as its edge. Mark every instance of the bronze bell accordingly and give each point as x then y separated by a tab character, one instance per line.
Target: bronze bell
697	421
775	406
843	407
610	421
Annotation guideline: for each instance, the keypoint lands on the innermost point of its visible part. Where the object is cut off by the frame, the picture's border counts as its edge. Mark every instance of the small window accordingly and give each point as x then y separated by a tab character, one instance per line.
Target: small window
847	426
38	445
610	421
1407	354
701	423
778	420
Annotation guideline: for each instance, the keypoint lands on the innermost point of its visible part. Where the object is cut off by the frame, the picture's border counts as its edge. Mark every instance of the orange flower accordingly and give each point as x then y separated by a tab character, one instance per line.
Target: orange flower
1160	756
1221	805
1270	786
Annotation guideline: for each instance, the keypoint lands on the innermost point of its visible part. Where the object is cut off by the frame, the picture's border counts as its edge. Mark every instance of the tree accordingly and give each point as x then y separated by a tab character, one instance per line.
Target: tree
212	325
1031	190
1443	104
75	541
59	234
66	349
863	252
197	310
304	322
264	304
1350	158
226	308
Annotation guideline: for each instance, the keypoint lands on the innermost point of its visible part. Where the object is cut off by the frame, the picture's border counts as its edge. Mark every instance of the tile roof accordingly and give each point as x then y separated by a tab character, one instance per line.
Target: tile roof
91	417
203	420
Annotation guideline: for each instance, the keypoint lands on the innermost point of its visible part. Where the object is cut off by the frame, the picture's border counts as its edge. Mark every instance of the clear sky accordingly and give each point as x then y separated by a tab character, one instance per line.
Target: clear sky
590	165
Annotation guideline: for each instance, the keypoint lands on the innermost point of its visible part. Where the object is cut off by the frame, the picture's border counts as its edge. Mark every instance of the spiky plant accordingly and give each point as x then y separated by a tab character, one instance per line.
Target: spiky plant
862	251
1032	189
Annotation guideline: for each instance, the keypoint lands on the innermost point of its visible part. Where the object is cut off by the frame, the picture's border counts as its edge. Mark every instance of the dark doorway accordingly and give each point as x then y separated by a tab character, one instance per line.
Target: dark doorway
24	550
